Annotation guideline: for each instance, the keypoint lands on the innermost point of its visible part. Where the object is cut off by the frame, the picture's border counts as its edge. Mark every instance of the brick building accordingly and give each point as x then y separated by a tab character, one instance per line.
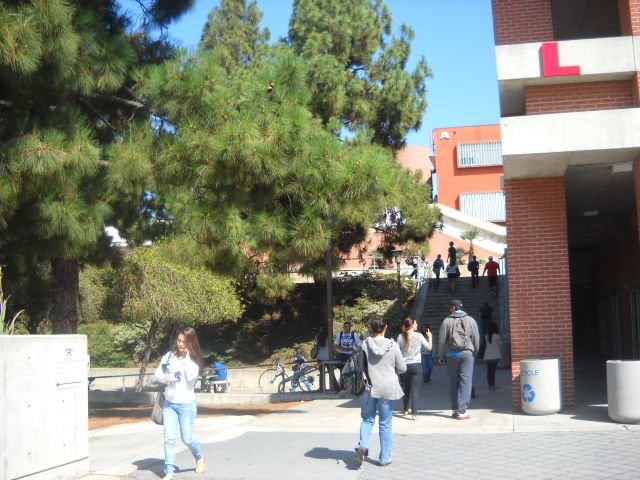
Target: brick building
569	81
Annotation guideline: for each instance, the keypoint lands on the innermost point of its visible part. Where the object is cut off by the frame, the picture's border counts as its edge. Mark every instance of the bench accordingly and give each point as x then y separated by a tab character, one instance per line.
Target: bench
209	385
221	386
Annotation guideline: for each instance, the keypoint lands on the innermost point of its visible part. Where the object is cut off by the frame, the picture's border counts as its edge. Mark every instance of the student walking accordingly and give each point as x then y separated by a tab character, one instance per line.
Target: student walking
179	370
457	343
411	344
427	355
453	272
384	364
437	266
492	269
492	353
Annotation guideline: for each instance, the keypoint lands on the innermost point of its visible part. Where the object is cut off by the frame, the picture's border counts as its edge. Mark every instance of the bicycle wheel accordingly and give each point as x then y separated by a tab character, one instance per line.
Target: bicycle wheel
269	380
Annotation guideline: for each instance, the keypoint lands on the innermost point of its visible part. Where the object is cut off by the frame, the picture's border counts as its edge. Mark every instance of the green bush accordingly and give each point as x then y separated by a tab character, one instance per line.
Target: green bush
102	349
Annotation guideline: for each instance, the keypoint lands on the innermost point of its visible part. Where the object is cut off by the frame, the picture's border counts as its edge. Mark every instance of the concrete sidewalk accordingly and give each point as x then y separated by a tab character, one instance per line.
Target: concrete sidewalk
315	440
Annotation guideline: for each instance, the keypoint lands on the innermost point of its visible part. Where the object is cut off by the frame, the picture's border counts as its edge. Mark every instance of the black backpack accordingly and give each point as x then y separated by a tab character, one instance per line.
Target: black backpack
355	378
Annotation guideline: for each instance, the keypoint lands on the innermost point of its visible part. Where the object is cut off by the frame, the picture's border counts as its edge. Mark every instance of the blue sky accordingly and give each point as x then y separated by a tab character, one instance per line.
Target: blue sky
455	36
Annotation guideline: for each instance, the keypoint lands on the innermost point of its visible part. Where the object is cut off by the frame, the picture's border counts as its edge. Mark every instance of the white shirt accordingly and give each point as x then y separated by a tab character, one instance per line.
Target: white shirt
351	339
183	374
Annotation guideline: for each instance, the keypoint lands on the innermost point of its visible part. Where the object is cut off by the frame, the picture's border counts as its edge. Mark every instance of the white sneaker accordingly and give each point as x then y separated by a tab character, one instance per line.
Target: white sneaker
463	416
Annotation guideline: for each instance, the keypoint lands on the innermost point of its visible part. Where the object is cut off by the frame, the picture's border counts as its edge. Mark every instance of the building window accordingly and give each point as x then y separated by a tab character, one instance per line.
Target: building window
580	19
487	206
480	154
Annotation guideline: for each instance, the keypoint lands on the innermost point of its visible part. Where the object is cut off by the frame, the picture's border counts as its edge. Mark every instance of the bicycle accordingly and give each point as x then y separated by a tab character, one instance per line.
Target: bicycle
275	380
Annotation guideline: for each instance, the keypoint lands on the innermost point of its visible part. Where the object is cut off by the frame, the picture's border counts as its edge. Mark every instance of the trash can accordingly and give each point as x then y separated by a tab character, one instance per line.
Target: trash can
540	386
623	393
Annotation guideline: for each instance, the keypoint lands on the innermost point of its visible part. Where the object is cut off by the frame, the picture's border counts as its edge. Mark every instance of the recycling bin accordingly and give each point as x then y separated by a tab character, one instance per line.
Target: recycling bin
623	393
540	386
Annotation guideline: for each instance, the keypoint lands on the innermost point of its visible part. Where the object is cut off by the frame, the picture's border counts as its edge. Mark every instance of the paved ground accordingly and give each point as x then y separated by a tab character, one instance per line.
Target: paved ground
315	440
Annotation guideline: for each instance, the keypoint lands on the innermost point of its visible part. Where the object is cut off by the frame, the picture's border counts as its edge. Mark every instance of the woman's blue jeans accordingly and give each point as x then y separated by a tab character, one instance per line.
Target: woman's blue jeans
180	416
384	408
427	367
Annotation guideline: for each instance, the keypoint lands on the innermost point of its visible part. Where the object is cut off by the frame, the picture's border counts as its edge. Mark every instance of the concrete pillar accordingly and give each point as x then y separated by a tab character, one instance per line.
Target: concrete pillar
44	425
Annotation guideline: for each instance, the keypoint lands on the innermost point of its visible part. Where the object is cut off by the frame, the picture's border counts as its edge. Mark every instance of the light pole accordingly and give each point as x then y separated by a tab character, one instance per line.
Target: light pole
397	254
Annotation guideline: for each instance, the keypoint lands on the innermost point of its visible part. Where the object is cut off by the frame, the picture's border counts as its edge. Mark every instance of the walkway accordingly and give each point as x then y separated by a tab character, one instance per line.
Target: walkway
315	439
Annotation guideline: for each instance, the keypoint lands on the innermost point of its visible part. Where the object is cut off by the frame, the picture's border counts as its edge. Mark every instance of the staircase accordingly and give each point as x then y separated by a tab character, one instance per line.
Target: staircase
436	306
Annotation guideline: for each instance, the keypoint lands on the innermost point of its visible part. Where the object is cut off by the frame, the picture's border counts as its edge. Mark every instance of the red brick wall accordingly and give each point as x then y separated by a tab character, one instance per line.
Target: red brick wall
629	12
522	21
579	97
537	236
625	17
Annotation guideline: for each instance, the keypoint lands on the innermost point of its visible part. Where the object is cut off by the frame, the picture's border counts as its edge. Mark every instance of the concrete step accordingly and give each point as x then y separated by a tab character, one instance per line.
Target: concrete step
436	306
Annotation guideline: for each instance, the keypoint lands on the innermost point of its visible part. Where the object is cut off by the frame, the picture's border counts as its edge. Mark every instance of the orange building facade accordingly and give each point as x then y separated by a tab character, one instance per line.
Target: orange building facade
468	170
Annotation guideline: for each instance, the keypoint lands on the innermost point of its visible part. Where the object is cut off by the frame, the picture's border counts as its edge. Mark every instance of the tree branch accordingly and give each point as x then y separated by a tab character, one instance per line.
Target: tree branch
131	103
97	114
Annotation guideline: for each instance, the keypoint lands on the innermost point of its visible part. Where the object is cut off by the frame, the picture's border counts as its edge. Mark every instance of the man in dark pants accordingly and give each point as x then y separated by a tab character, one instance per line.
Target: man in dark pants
492	269
438	265
458	341
474	268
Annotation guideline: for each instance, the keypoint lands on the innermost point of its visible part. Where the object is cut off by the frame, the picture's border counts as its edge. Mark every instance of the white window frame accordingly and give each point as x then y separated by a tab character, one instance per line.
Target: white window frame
479	154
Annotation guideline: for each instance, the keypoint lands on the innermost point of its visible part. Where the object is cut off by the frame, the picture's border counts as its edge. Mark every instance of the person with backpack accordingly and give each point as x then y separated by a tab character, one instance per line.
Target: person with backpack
458	342
346	342
453	272
384	363
437	266
474	267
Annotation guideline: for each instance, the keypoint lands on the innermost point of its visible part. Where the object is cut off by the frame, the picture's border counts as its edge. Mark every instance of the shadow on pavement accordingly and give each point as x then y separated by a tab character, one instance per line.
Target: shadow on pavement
153	465
323	453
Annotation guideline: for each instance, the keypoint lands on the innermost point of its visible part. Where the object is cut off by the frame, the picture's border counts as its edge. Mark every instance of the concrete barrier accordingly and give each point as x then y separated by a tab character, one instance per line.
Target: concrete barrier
44	431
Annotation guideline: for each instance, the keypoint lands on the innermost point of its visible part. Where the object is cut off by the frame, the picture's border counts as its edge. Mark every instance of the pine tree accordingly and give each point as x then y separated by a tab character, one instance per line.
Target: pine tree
250	172
233	29
65	73
358	69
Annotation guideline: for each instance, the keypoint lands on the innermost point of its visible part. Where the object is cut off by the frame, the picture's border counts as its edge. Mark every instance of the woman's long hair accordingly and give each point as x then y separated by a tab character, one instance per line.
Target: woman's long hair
493	328
406	328
193	345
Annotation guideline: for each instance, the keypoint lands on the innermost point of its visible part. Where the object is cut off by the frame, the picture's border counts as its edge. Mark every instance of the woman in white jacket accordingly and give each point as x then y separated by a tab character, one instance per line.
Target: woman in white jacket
411	345
179	370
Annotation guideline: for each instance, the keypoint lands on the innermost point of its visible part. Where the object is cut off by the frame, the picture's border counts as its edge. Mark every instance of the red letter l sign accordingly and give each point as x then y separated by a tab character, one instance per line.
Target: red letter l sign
551	64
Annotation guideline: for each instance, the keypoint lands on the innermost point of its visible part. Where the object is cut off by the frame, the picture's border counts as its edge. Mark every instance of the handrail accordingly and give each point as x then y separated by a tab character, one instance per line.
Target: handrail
320	364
